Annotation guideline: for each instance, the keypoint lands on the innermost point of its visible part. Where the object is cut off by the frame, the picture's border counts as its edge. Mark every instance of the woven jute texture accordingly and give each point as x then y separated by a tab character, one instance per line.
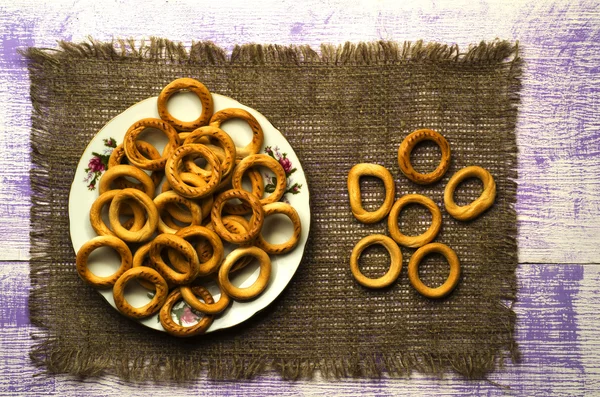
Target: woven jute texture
338	106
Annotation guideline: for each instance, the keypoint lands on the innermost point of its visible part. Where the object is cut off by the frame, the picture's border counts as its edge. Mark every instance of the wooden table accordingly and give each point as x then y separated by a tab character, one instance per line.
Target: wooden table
558	206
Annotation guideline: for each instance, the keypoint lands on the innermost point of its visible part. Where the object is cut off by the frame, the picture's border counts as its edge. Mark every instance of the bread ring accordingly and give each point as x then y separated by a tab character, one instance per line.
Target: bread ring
256	160
118	155
395	261
179	244
451	281
178	330
146	202
160	292
422	239
256	219
354	191
213	308
97	242
213	263
258	188
409	144
141	258
175	179
119	171
139	216
290	212
172	197
134	155
257	133
485	201
244	294
197	88
228	161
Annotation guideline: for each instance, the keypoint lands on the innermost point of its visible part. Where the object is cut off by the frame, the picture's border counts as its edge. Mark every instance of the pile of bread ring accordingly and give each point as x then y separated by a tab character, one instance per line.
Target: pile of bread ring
423	241
173	242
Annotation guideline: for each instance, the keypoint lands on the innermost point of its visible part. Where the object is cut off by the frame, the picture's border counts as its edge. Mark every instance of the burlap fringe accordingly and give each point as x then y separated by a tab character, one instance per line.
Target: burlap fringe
46	352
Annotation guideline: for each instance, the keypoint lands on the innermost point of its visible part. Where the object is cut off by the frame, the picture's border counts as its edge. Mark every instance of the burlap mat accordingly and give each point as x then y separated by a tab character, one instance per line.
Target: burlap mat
350	104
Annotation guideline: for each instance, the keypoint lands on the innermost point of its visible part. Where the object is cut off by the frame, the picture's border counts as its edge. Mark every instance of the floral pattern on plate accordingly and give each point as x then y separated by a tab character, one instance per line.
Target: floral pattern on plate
99	163
286	163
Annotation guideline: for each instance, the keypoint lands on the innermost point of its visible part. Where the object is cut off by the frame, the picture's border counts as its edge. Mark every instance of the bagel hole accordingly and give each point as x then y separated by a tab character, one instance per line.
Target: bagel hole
104	261
425	157
372	192
374	262
239	131
246	276
468	191
277	229
434	269
184	315
124	219
184	105
155	137
136	295
414	220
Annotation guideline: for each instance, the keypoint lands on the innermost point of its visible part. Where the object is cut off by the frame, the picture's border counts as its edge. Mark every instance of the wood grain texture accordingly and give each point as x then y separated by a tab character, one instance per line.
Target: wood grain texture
559	169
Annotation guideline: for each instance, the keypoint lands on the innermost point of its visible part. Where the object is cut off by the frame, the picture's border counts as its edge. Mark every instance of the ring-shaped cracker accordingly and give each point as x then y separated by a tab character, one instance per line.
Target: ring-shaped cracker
207	308
216	245
118	155
226	143
292	214
147	274
264	160
175	329
244	294
258	136
257	189
173	198
139	216
97	242
256	219
124	170
421	239
197	88
182	246
407	146
482	203
131	150
354	191
451	281
146	232
395	261
173	174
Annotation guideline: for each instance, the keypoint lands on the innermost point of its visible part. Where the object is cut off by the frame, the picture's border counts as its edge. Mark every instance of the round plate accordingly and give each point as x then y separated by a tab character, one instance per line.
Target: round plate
185	106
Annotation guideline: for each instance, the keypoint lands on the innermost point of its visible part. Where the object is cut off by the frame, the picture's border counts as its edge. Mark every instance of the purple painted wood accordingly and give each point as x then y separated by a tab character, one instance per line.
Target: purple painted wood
559	174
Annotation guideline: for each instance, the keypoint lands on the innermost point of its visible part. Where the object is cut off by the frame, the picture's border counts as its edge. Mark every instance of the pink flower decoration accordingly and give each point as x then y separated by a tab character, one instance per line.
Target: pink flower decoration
286	164
96	165
188	317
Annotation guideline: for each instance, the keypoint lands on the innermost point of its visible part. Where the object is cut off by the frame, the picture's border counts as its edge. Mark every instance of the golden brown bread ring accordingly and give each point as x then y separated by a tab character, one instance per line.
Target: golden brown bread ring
118	156
395	261
175	329
124	170
256	160
257	133
139	216
292	214
146	232
179	244
256	219
482	203
212	264
226	143
251	292
172	197
160	292
173	174
355	197
197	88
258	188
451	281
141	258
207	308
97	242
409	144
424	238
133	154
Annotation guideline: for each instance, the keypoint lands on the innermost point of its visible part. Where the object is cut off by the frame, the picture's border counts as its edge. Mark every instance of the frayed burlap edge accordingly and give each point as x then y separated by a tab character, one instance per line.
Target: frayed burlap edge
47	352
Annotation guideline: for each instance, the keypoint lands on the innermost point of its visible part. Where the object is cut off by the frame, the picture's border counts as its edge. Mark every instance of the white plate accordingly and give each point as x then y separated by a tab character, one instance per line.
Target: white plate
186	107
